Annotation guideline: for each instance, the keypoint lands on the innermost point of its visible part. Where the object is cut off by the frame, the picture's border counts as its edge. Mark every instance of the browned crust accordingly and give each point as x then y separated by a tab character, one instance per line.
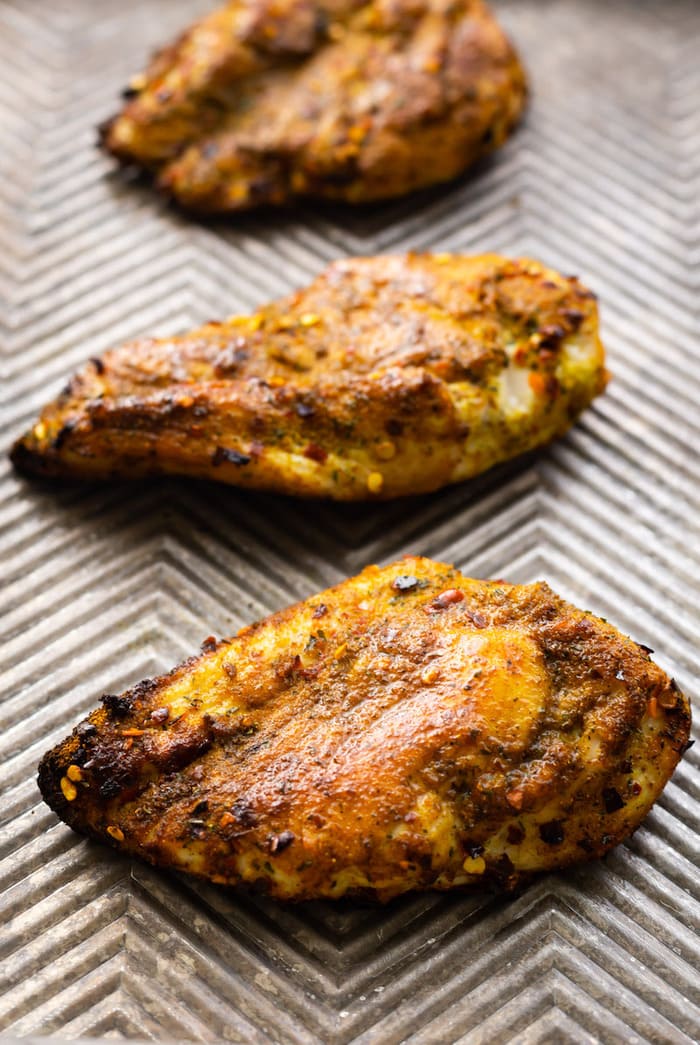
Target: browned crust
379	379
260	103
292	760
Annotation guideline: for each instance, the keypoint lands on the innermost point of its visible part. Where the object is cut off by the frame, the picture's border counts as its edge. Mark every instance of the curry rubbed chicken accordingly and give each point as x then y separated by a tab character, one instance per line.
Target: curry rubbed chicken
385	376
266	100
407	729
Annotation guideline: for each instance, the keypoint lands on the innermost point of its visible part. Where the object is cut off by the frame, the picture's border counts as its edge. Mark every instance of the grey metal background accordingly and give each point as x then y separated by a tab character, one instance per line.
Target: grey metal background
103	585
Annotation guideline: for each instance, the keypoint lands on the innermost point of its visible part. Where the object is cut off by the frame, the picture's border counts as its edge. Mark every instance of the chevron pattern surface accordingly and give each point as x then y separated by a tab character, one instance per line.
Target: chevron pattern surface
103	585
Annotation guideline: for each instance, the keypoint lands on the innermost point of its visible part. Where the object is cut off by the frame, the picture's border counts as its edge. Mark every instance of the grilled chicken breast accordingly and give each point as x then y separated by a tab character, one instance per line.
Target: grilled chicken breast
407	729
356	101
385	376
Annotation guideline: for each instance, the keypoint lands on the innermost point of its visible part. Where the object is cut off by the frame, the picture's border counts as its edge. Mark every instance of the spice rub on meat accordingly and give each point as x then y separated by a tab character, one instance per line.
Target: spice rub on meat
266	100
407	729
386	376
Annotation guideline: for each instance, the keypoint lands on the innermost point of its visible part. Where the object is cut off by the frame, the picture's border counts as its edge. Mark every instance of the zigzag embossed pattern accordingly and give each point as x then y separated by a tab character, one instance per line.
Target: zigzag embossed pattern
103	585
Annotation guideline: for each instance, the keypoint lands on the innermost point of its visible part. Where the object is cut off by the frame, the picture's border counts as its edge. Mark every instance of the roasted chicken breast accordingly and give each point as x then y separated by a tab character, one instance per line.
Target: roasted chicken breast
385	376
263	101
407	729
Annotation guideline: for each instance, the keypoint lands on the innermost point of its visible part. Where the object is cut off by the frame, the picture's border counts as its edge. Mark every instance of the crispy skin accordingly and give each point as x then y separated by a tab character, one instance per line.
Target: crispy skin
264	101
385	376
408	729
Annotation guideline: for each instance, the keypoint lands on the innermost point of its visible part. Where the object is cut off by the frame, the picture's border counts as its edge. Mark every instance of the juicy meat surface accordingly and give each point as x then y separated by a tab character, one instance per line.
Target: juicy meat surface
385	376
408	729
266	100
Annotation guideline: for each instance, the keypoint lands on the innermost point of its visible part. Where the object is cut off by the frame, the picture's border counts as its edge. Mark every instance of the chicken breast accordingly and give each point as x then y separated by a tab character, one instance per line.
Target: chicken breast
264	101
407	729
385	376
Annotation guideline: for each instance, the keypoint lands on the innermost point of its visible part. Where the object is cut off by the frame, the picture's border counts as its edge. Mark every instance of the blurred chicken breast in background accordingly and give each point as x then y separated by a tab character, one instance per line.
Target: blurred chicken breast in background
266	100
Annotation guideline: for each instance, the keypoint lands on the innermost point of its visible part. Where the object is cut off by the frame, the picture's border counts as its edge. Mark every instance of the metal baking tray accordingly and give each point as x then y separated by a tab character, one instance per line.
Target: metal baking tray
103	585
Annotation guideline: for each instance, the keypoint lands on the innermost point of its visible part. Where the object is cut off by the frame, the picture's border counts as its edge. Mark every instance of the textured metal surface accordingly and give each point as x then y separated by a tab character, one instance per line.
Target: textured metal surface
103	585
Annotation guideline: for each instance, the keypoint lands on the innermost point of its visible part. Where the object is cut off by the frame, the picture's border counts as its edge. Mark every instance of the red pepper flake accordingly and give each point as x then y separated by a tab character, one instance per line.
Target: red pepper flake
477	619
209	644
551	335
316	453
132	732
574	317
223	454
515	798
197	828
277	843
612	800
515	834
543	384
320	611
667	698
552	833
446	598
118	707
